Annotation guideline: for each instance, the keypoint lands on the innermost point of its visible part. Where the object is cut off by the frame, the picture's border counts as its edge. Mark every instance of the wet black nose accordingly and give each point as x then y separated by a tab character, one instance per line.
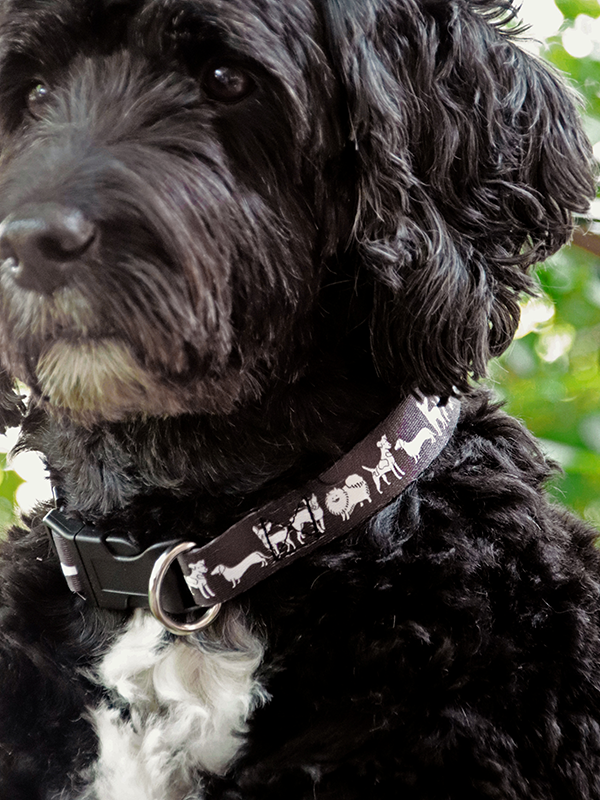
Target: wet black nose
40	243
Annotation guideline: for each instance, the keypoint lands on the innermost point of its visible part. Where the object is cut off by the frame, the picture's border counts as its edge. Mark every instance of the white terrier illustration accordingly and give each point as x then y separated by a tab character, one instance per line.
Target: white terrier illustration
387	463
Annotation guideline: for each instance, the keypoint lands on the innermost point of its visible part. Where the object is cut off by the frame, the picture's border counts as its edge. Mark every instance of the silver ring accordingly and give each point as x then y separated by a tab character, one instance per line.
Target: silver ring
159	570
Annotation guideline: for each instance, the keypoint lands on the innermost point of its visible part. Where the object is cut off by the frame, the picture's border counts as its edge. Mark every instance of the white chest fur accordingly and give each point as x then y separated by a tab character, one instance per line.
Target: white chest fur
184	709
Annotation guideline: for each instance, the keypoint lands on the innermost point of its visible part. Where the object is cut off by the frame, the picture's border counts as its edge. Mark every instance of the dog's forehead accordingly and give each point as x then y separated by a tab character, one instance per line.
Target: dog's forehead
248	25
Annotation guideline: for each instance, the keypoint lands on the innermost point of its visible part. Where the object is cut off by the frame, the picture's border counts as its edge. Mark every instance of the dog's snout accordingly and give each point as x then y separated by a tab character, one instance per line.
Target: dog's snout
42	241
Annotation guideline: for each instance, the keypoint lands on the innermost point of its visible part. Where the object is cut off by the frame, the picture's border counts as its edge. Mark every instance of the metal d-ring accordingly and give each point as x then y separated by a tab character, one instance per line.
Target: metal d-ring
159	570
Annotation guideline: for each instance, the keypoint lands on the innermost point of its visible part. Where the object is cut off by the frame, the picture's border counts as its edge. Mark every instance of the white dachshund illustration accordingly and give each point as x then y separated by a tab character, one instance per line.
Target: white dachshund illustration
343	499
235	573
277	539
413	447
387	463
197	579
309	511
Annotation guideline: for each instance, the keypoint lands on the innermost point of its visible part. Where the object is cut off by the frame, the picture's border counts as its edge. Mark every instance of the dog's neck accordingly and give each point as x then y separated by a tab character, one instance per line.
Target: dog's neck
139	470
419	428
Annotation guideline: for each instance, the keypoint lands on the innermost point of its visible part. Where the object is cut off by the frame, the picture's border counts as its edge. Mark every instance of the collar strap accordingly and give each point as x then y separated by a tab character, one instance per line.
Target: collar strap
110	572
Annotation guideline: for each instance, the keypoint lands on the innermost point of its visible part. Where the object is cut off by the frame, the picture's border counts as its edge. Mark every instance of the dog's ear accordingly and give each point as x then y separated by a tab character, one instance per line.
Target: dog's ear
12	407
470	160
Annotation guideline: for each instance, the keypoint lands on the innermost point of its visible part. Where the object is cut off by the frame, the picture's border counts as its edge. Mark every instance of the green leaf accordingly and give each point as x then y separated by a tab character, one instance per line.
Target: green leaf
10	483
7	515
571	9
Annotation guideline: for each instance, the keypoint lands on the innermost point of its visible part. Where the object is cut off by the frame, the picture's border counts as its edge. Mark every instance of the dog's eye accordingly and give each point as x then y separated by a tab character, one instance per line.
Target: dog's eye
227	83
36	99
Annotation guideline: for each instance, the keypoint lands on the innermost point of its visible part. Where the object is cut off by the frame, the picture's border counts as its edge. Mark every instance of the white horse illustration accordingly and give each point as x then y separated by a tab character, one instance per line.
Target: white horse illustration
280	537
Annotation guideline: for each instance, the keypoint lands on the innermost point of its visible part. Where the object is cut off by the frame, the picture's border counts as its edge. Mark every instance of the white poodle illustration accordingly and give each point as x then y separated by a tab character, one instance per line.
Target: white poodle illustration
436	415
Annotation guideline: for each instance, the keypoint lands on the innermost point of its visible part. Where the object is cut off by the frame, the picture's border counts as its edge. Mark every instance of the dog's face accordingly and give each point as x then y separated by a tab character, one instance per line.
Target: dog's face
160	231
182	183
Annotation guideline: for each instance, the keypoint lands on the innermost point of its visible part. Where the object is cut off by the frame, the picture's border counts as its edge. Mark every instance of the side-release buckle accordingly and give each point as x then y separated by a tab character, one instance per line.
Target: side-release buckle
109	570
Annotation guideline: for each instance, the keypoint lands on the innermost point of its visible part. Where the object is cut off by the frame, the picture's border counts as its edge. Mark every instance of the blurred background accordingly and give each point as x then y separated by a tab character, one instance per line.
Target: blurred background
550	376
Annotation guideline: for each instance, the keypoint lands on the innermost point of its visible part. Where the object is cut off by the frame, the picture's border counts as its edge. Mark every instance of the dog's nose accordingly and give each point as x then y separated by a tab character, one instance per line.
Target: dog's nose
41	242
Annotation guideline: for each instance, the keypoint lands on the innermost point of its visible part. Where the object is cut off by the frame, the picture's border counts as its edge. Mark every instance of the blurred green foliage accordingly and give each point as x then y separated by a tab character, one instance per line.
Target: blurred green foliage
9	483
551	376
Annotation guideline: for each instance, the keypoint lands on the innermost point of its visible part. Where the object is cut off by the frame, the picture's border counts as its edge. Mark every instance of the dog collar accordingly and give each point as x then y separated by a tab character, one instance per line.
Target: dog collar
110	572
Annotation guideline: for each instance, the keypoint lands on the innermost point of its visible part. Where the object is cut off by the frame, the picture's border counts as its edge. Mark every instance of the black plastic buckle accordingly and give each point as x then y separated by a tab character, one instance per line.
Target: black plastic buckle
109	570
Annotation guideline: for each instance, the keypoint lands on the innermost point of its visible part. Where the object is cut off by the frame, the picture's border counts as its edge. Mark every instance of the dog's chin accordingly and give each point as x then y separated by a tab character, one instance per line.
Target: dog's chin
101	381
98	380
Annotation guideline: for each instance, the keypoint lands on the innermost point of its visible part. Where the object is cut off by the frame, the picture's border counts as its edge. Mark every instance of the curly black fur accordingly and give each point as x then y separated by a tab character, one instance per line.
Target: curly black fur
262	277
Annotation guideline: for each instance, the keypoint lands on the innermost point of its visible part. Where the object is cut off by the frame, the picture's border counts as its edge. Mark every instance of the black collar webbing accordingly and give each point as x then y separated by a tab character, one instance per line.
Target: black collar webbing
111	573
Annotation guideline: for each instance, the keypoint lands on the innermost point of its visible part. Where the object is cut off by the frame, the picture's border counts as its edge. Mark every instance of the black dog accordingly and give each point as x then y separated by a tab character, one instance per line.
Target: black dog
236	234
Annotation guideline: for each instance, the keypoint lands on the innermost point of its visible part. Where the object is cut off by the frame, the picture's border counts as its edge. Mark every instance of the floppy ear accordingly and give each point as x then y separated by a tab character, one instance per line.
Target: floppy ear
12	408
470	160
